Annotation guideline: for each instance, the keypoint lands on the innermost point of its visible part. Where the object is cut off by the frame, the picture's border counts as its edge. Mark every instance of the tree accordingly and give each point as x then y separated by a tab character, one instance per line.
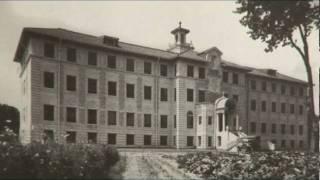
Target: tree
285	23
9	116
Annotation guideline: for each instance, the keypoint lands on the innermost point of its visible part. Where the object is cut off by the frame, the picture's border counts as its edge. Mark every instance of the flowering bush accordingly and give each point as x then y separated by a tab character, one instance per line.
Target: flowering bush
256	165
55	161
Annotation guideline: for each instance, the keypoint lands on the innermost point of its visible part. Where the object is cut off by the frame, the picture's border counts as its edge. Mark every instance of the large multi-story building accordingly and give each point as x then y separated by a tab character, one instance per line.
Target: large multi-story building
79	88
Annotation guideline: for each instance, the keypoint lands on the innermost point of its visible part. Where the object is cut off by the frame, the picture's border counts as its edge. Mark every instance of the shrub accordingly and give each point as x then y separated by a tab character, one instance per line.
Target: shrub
56	161
256	165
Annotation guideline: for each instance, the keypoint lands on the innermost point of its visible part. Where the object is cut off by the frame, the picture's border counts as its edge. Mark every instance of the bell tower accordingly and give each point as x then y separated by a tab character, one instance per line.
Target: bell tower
180	36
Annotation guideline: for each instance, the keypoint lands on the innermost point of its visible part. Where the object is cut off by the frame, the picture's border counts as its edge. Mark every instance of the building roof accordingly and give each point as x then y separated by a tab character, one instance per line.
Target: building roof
96	41
277	76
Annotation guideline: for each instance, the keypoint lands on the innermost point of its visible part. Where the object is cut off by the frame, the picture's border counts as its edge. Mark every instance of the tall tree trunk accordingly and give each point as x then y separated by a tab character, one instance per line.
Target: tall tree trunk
313	123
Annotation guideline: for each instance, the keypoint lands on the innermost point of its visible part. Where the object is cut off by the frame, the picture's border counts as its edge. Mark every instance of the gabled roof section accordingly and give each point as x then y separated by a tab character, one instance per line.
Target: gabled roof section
211	49
191	54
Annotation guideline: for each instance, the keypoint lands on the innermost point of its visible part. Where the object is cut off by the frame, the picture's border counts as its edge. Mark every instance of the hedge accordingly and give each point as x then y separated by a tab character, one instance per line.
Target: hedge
55	161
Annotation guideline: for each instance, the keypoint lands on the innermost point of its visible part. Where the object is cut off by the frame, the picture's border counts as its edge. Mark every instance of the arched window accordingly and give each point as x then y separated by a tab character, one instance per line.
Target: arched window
189	119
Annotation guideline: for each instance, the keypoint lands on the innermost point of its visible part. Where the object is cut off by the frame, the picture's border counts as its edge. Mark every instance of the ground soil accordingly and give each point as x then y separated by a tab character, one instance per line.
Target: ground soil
151	164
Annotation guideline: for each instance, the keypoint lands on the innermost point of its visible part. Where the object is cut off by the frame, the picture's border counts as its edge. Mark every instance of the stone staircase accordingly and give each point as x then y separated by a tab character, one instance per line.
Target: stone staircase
232	146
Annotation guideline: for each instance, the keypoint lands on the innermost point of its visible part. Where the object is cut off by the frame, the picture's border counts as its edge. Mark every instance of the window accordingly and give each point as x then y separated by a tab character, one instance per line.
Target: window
147	120
253	85
48	79
71	83
300	109
292	108
274	128
219	141
147	68
292	144
201	95
175	94
92	86
292	129
190	71
300	129
147	139
189	140
48	112
112	118
283	89
112	88
199	140
130	119
253	127
253	105
48	135
264	86
92	58
163	121
164	94
71	114
292	91
274	107
130	139
48	50
130	90
112	138
147	92
189	120
209	141
274	87
112	62
220	121
175	121
200	120
190	95
163	70
235	98
163	140
283	143
301	91
209	120
283	107
71	137
71	55
235	78
301	144
202	73
263	128
92	138
263	106
283	128
225	76
92	116
130	65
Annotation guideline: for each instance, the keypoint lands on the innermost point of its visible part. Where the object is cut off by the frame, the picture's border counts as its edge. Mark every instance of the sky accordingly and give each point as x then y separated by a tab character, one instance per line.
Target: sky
211	23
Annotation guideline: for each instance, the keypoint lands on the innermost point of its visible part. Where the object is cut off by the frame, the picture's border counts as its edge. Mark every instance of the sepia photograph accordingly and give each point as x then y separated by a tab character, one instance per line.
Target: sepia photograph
139	90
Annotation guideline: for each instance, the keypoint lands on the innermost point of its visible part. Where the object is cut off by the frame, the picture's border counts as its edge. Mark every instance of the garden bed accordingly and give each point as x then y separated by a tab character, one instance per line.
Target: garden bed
256	165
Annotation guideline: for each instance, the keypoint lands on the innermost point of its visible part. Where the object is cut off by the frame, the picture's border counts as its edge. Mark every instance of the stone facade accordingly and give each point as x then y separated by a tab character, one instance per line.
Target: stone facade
179	116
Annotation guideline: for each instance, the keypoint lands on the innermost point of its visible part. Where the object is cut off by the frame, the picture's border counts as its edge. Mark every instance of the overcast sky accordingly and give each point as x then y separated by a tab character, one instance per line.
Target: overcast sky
149	24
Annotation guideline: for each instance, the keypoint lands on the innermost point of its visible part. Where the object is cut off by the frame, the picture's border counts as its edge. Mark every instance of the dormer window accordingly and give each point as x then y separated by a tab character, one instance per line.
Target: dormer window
111	41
